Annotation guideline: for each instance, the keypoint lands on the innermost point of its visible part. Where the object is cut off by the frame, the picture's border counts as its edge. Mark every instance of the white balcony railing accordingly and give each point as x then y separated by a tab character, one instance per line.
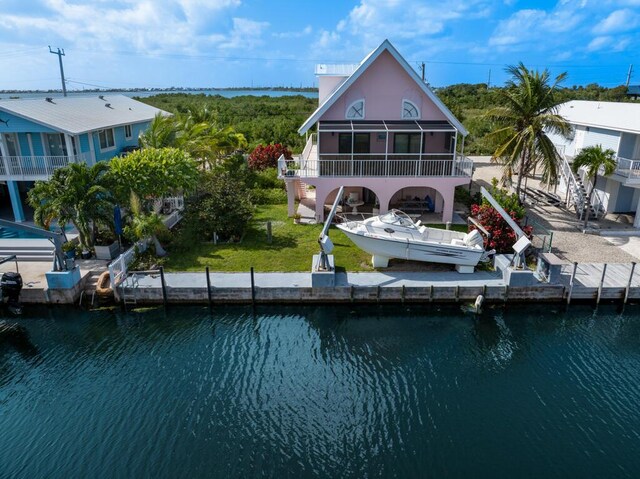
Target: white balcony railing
628	168
34	167
380	165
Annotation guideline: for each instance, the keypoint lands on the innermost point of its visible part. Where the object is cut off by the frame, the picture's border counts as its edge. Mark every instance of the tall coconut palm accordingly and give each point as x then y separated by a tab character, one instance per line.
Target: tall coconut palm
75	194
527	115
595	160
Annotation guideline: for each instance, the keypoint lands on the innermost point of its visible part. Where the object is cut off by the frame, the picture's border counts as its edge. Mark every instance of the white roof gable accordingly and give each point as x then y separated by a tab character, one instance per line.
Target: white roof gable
602	114
75	115
368	60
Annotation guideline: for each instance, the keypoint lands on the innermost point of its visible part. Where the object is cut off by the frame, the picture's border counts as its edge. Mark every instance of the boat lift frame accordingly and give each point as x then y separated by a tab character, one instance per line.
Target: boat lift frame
523	242
326	246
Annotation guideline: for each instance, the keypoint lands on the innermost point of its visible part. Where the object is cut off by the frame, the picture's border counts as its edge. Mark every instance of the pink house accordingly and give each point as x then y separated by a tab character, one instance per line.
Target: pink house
383	134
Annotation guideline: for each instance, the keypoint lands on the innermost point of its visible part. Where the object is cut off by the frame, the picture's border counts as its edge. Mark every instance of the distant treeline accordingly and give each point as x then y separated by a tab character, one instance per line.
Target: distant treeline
266	119
469	102
261	119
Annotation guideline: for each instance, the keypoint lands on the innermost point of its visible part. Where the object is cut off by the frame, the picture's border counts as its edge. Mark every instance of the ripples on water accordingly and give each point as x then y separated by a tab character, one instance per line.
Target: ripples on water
330	392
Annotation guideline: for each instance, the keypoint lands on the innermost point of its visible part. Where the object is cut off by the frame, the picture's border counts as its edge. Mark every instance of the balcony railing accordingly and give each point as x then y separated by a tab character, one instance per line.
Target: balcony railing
380	165
34	167
628	168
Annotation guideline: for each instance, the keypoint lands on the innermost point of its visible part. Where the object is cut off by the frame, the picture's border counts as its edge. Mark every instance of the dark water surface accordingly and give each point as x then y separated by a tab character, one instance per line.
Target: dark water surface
323	392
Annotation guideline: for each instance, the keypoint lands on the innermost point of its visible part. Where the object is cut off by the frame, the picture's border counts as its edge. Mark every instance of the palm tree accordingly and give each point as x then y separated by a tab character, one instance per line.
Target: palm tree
146	225
594	159
161	133
528	114
75	194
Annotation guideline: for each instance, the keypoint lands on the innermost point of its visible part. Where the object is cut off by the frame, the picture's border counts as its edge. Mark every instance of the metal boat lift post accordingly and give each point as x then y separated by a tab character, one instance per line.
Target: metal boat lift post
523	242
326	246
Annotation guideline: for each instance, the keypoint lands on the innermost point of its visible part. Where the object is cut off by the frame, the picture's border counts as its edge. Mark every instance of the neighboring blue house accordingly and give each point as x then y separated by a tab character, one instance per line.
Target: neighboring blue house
37	136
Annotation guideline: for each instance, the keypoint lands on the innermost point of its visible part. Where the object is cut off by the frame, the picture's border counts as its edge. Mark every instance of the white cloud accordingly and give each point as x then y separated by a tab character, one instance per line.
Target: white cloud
245	34
618	21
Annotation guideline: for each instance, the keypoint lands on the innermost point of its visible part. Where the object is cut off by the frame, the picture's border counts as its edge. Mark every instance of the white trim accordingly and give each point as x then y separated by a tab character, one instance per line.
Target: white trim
92	146
30	141
386	45
346	113
404	100
130	136
113	135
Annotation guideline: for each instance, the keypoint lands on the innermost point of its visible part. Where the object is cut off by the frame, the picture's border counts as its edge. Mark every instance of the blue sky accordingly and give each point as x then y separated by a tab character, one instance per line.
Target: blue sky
222	43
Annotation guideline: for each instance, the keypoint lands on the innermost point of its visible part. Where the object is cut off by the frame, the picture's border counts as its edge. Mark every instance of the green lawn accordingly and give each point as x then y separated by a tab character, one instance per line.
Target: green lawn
291	250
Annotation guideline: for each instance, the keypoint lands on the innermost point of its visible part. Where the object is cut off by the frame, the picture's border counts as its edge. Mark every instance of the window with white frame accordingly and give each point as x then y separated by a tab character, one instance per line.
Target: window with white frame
410	111
107	139
128	134
355	111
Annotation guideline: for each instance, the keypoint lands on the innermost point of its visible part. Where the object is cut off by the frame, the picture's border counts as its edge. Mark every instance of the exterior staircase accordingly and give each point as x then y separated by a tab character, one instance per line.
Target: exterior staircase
28	249
88	296
577	193
301	190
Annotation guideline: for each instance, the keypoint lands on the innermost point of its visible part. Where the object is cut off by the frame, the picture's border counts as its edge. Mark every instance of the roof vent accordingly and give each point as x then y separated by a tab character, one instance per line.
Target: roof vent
49	99
101	97
108	105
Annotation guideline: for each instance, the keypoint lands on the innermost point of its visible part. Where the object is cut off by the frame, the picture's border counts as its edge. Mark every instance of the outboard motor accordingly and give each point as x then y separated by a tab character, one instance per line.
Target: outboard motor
11	285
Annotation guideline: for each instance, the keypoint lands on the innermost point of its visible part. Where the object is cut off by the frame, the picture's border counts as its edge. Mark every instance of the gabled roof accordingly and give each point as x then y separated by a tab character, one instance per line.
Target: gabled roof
603	114
75	115
368	60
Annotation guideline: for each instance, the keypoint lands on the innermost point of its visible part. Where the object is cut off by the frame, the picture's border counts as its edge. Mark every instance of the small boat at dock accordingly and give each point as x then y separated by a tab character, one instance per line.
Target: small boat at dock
396	235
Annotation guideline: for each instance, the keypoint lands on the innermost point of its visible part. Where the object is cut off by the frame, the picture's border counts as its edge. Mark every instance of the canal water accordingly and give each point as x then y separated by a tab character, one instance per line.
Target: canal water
323	392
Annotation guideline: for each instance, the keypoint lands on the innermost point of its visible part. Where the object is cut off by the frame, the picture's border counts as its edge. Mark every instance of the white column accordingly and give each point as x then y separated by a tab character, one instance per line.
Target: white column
636	220
69	146
92	148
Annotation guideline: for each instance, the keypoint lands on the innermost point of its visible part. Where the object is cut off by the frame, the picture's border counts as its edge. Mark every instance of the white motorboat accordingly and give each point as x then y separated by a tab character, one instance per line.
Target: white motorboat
395	235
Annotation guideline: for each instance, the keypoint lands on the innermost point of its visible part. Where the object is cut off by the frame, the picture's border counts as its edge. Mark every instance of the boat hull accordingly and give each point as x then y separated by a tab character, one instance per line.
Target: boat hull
382	248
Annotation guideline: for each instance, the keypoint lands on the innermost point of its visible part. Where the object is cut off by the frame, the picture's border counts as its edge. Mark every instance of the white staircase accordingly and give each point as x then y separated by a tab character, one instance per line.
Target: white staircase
577	193
27	249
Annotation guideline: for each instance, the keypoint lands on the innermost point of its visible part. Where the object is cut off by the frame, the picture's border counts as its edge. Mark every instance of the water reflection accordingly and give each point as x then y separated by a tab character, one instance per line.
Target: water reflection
324	391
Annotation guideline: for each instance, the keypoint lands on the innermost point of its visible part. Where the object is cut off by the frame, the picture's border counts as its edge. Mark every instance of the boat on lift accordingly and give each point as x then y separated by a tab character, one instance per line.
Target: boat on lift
396	235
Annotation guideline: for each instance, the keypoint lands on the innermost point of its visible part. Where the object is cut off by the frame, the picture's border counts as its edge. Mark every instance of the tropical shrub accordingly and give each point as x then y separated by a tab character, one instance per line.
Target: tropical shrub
266	156
268	196
222	206
502	237
153	173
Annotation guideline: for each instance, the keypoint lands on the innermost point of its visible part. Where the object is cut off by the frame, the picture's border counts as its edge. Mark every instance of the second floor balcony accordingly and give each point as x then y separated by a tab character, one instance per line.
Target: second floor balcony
32	168
313	163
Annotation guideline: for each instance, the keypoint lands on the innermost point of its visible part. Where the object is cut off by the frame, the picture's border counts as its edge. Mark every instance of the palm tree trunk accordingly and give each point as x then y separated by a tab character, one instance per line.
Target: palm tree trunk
588	201
521	171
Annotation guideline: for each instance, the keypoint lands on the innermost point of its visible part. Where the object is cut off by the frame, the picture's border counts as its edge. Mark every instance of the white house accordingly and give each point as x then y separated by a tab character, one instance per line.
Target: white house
612	125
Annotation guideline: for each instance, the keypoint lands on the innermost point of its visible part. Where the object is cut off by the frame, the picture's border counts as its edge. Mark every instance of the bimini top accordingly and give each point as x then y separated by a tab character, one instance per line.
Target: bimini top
361	68
75	115
608	115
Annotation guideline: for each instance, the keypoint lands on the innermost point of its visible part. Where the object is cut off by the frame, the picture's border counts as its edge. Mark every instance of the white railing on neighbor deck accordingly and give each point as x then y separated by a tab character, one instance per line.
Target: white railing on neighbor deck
628	168
34	167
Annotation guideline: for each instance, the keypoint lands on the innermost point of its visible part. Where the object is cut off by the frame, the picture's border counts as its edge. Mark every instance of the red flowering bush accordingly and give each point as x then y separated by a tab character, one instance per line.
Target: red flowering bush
266	156
502	236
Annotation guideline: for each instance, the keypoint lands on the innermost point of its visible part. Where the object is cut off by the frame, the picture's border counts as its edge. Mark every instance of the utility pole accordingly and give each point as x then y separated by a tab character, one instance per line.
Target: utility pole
60	54
422	68
629	74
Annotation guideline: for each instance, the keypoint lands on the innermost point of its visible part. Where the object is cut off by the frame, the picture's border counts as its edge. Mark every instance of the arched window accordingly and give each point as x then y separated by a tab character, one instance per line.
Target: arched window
410	111
355	111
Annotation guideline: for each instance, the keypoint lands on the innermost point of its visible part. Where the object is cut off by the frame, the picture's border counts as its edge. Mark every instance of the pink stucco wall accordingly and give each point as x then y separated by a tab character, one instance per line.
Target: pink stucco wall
390	189
383	86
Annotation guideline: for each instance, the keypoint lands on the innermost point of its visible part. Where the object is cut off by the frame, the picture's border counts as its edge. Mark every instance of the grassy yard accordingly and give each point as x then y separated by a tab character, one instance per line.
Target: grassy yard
291	250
